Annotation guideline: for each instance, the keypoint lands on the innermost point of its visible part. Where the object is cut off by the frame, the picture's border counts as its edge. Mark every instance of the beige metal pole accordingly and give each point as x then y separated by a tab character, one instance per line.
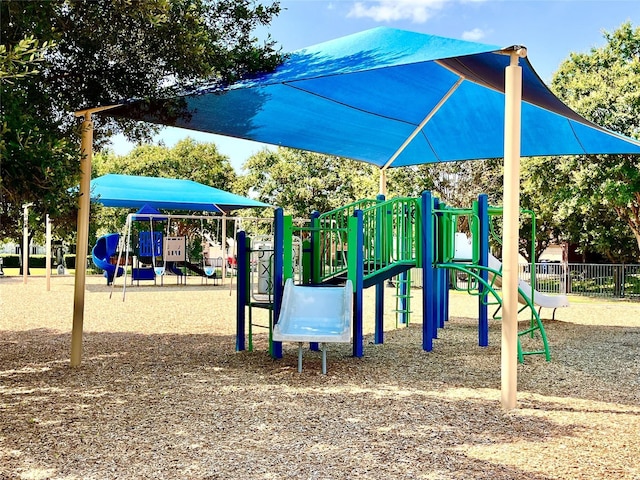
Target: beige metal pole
48	252
82	239
223	244
509	351
25	241
383	182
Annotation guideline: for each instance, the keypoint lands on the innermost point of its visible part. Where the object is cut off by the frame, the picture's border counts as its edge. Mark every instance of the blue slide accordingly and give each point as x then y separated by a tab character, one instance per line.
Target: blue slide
102	252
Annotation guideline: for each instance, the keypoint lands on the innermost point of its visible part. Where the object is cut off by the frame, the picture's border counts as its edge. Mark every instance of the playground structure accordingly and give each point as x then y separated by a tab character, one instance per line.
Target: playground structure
315	315
368	243
154	247
104	249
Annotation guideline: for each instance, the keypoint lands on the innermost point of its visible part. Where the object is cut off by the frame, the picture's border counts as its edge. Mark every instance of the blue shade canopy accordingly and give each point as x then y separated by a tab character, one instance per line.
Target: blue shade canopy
147	213
388	97
168	193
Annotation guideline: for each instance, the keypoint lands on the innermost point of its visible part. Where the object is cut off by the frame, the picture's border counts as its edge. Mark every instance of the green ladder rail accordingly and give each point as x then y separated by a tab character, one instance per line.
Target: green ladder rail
536	322
269	327
403	300
391	229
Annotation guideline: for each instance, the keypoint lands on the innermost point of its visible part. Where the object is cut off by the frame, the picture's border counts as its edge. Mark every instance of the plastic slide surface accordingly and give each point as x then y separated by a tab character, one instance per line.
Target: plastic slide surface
315	314
540	299
104	248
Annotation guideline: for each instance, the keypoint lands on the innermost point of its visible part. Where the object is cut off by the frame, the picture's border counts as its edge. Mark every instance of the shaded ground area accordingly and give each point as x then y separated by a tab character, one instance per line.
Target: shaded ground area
162	394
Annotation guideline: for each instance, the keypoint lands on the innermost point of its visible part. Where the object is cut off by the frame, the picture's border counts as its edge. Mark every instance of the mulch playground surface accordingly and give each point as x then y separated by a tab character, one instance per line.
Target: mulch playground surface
163	394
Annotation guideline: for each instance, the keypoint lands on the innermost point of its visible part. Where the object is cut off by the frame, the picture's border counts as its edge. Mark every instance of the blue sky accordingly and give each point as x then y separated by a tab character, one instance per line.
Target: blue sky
550	29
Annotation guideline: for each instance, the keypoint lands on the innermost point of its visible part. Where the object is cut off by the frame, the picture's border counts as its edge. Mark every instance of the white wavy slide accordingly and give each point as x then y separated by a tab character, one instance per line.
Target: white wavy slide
315	314
539	299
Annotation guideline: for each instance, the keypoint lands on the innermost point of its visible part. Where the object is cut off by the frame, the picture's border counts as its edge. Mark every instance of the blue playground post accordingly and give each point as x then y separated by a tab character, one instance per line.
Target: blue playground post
242	288
483	260
278	279
380	258
314	272
356	275
426	241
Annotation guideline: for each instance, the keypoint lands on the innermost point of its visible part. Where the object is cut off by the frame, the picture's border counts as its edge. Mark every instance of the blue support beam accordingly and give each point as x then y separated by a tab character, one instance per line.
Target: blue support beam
483	260
314	274
356	275
278	274
380	250
426	240
241	290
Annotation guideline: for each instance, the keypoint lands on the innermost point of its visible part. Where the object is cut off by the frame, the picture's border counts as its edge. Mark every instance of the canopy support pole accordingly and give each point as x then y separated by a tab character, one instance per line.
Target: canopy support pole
423	123
82	235
82	239
25	241
383	182
512	133
223	245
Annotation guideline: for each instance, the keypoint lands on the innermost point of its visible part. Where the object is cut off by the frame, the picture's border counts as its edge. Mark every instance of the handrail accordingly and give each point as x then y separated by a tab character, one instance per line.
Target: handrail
391	233
331	233
469	269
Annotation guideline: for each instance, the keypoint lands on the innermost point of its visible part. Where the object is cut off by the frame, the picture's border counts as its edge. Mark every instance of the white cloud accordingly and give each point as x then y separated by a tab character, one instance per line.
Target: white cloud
474	35
418	11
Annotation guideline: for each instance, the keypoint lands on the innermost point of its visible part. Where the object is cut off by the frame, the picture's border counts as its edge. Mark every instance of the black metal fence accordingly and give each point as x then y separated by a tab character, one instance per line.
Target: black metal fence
587	279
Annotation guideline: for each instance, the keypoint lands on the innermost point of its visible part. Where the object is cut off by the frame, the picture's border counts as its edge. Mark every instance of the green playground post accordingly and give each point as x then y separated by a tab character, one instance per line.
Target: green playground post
288	248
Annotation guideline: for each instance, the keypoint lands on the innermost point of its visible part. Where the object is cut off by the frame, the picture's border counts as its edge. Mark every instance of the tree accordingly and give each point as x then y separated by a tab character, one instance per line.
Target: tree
600	198
102	52
34	157
538	193
21	60
300	181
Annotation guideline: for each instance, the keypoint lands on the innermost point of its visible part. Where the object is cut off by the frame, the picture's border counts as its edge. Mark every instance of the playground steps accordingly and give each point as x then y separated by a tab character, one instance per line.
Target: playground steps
403	299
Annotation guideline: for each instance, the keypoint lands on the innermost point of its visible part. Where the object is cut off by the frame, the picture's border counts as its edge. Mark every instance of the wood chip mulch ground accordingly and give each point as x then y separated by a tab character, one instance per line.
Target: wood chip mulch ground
163	394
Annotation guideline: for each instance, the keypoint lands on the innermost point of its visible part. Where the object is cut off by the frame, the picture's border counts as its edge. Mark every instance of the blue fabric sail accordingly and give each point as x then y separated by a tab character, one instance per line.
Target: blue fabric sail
388	97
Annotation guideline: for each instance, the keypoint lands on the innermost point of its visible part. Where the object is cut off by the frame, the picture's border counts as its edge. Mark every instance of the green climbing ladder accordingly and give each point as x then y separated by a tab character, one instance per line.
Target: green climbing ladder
403	299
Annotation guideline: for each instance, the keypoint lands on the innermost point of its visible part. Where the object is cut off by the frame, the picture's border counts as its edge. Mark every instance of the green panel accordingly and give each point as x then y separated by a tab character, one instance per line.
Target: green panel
352	252
288	248
475	234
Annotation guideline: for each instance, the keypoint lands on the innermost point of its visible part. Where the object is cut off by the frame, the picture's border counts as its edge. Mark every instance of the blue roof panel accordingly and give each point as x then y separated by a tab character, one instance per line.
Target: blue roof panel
364	95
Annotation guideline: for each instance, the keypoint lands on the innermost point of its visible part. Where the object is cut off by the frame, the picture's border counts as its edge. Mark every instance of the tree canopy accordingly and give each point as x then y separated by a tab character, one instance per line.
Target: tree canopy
99	53
600	196
301	181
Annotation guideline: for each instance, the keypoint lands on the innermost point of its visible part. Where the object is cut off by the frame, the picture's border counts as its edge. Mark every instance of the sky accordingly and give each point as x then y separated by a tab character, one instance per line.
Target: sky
550	29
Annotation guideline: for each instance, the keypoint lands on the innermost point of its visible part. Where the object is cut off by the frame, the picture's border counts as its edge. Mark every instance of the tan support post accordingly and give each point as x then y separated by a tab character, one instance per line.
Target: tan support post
48	252
82	239
509	351
383	182
25	241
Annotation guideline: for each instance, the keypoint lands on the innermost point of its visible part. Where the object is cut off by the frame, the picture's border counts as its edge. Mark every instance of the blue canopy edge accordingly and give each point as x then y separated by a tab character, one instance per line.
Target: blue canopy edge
364	95
132	191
